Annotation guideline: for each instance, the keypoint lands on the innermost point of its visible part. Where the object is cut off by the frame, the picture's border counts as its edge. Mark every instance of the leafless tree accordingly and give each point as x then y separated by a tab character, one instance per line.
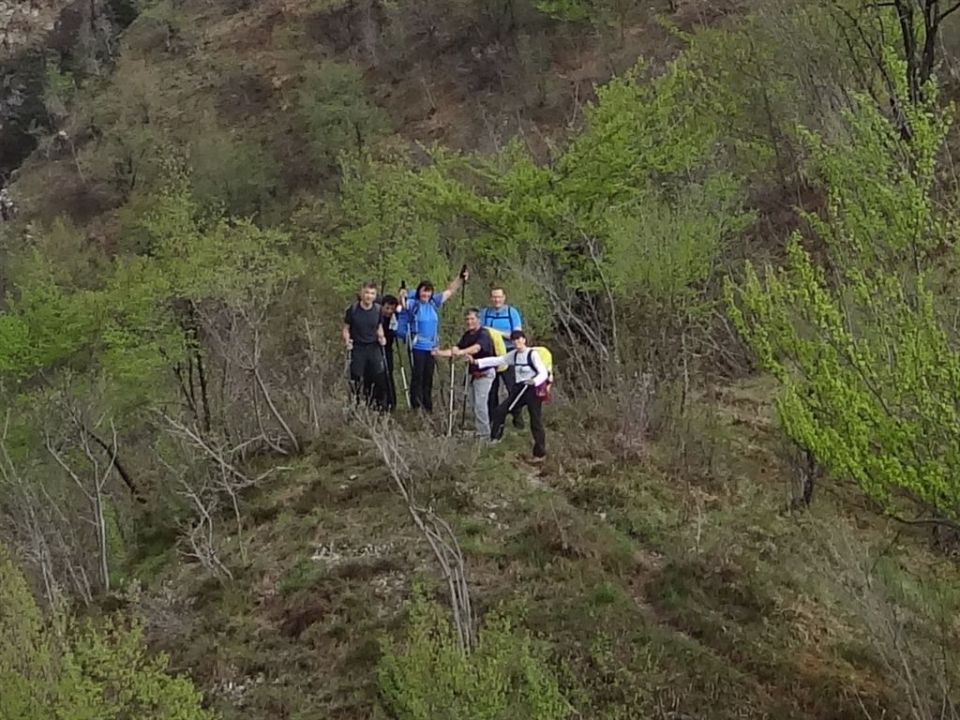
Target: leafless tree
922	665
236	335
91	483
215	479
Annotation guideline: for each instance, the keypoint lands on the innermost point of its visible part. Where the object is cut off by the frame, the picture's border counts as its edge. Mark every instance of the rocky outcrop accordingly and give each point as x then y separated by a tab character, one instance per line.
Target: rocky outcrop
78	35
26	22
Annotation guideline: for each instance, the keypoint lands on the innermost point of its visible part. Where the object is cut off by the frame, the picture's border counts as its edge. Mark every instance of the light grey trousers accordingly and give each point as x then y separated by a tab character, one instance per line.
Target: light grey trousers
479	396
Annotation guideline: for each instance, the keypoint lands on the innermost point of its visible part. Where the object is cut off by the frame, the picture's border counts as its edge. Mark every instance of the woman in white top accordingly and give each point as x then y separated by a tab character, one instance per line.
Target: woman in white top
531	373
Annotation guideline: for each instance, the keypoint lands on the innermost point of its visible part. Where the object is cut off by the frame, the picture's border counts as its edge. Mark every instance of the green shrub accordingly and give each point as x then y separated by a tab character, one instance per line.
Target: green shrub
869	366
81	673
339	117
429	676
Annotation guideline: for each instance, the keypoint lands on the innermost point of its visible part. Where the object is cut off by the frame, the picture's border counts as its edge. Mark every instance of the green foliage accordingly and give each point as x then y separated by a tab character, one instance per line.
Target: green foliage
868	367
46	326
129	155
59	89
237	174
25	661
429	677
337	111
86	673
598	12
107	674
381	230
634	214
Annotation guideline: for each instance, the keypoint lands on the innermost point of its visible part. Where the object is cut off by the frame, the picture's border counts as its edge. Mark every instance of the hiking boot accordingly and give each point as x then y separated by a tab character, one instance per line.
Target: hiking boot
518	422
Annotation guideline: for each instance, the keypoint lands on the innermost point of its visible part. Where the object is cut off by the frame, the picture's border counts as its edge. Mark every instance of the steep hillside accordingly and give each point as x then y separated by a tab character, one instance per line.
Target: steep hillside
733	223
664	573
232	73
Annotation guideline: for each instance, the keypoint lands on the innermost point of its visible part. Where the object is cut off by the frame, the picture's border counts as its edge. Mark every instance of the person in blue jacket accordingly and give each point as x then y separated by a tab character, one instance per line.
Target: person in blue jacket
504	319
422	311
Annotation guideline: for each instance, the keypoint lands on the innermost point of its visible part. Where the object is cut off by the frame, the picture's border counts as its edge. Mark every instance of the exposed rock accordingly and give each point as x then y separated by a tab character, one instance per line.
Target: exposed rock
25	22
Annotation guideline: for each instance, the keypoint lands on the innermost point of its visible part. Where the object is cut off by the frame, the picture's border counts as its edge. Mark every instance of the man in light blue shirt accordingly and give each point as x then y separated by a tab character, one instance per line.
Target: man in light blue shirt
503	319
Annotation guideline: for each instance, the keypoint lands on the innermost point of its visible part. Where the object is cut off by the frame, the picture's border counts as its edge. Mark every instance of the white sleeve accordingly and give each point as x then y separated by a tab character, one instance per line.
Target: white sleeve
489	362
542	375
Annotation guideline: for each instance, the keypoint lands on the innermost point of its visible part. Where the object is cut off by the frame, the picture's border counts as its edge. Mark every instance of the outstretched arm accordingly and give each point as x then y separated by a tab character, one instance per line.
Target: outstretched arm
489	362
455	285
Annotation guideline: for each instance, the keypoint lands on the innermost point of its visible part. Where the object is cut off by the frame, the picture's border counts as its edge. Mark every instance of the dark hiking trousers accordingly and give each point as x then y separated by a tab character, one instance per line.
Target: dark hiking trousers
508	380
367	373
421	384
388	401
526	397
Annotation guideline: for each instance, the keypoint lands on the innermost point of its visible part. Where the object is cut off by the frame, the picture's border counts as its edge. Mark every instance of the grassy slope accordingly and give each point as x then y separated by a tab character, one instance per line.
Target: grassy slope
663	588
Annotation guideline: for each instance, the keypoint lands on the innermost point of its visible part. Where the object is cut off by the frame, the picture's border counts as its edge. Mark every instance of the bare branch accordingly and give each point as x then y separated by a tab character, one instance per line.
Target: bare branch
437	532
948	12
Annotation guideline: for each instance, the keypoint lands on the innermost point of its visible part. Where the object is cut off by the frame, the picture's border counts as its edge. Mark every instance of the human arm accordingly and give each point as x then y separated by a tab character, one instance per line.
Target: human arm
469	350
381	336
455	285
345	331
489	362
516	319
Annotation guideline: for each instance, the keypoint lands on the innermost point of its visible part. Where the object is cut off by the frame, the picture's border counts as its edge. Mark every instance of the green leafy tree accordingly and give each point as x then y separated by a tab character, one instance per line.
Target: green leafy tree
338	113
430	677
627	225
382	230
56	670
868	364
601	13
237	174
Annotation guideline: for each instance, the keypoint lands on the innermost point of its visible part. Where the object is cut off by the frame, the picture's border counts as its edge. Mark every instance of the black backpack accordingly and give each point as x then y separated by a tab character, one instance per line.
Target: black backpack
376	306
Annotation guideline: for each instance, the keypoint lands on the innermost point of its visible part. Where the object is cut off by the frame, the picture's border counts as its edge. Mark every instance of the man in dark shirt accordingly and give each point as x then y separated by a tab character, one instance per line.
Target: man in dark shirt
364	339
476	342
388	309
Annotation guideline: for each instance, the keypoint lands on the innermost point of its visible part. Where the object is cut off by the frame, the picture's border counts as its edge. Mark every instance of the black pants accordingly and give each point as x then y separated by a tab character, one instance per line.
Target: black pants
388	398
421	384
368	374
509	380
525	397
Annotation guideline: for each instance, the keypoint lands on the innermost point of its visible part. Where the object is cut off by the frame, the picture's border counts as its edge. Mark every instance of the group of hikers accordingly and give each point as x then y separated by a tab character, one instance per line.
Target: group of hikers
503	372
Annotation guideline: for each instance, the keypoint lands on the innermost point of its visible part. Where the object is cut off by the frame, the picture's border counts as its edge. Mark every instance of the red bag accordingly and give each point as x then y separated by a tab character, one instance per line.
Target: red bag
543	392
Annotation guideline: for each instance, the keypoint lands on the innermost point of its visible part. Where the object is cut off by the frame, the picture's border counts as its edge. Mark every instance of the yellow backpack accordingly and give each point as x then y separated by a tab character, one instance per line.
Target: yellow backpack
547	357
499	347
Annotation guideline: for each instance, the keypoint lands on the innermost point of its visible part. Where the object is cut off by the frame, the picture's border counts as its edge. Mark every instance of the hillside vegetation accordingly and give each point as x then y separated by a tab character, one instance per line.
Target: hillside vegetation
735	226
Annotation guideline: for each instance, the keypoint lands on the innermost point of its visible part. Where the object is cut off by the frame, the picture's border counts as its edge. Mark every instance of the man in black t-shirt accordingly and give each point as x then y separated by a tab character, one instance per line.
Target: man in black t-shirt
364	339
388	309
476	342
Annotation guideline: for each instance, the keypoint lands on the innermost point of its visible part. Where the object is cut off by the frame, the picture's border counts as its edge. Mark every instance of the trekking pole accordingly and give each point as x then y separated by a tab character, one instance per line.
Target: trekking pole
403	377
466	390
517	398
391	385
450	422
348	362
409	343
